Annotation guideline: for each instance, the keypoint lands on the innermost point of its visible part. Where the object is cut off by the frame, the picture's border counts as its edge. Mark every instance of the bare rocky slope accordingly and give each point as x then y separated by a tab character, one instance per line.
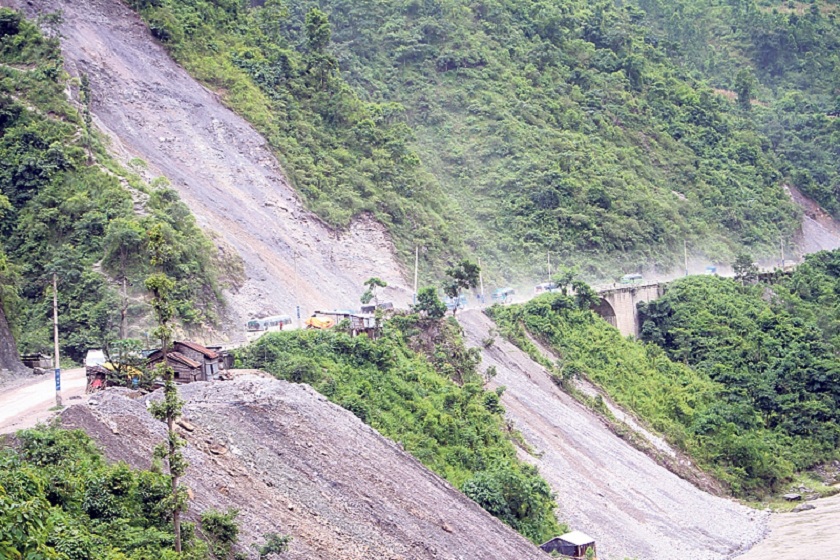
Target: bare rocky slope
629	504
293	463
151	109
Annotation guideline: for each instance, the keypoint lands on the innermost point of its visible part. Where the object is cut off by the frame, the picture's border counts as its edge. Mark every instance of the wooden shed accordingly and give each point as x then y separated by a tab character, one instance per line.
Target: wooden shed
210	360
186	369
574	545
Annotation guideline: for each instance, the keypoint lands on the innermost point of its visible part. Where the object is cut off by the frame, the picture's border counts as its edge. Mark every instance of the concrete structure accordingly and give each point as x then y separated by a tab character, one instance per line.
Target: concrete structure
618	305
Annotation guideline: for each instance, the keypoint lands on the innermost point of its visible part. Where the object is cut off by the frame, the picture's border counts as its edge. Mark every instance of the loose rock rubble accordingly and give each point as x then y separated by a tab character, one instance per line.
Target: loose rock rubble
293	463
632	506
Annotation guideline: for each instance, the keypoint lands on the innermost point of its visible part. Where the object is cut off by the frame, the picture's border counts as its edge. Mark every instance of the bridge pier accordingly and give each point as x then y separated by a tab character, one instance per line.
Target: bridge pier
618	305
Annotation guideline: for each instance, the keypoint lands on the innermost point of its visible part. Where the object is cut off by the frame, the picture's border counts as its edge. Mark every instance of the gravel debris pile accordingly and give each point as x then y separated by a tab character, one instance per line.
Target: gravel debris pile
294	463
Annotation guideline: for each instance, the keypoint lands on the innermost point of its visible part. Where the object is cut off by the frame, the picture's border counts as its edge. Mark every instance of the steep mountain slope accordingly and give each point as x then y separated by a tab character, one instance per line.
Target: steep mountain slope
542	127
292	463
151	109
632	506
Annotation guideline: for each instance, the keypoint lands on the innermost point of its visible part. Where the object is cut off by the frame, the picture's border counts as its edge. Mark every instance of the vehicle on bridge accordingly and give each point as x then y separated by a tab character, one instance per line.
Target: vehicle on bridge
631	279
503	295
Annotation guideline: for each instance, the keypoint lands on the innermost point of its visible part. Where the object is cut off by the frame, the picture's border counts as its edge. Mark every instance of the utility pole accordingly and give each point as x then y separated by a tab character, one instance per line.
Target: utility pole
297	288
685	256
56	357
549	266
416	262
782	249
480	281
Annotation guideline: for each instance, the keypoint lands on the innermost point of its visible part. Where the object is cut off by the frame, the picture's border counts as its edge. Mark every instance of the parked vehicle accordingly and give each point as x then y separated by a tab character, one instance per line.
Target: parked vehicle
711	270
371	308
460	302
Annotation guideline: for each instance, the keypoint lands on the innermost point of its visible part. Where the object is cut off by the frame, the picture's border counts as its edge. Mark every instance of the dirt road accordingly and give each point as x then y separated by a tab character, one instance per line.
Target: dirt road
222	168
631	506
25	403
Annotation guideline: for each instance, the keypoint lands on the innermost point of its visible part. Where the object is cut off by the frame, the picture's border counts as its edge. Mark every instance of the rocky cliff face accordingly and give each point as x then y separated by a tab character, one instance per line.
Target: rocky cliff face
295	464
151	109
10	363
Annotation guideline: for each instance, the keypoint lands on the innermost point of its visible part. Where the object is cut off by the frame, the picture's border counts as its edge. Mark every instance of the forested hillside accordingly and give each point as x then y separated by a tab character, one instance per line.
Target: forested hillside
66	208
749	380
514	128
773	348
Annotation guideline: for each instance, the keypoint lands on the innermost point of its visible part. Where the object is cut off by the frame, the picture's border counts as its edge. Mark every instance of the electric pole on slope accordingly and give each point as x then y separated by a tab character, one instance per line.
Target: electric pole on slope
480	281
416	262
549	266
56	357
685	256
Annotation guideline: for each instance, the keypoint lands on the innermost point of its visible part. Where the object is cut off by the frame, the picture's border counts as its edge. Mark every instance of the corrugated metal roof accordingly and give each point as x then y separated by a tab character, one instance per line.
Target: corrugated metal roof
577	538
178	357
209	354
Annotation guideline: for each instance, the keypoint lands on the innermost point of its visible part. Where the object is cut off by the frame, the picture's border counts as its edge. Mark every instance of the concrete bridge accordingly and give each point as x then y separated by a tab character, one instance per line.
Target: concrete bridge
618	305
618	302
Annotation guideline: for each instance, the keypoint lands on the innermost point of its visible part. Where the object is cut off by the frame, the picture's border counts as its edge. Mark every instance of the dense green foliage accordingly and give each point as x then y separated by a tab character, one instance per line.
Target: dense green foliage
755	402
455	429
345	155
63	210
777	363
575	128
59	500
786	54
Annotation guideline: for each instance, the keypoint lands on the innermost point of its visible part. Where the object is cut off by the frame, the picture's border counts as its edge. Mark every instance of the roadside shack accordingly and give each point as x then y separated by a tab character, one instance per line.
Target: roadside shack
574	545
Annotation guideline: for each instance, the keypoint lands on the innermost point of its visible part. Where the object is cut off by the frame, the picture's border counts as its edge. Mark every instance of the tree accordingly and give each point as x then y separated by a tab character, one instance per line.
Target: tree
429	303
318	32
86	99
464	276
744	85
745	269
585	296
123	244
372	284
168	409
563	279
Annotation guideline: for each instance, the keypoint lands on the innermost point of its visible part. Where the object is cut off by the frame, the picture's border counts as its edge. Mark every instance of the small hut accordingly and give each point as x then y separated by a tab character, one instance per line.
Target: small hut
574	545
186	369
210	360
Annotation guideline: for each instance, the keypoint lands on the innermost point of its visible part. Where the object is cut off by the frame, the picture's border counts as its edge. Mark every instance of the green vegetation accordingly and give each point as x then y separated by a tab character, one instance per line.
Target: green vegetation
765	344
59	500
573	127
785	54
64	209
418	385
755	401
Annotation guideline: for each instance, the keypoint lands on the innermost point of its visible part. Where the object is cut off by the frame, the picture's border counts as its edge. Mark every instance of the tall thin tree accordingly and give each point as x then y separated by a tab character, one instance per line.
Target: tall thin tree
168	409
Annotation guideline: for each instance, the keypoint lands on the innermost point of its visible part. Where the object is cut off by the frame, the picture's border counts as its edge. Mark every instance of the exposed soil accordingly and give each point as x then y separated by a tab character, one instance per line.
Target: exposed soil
629	504
293	463
820	231
151	109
